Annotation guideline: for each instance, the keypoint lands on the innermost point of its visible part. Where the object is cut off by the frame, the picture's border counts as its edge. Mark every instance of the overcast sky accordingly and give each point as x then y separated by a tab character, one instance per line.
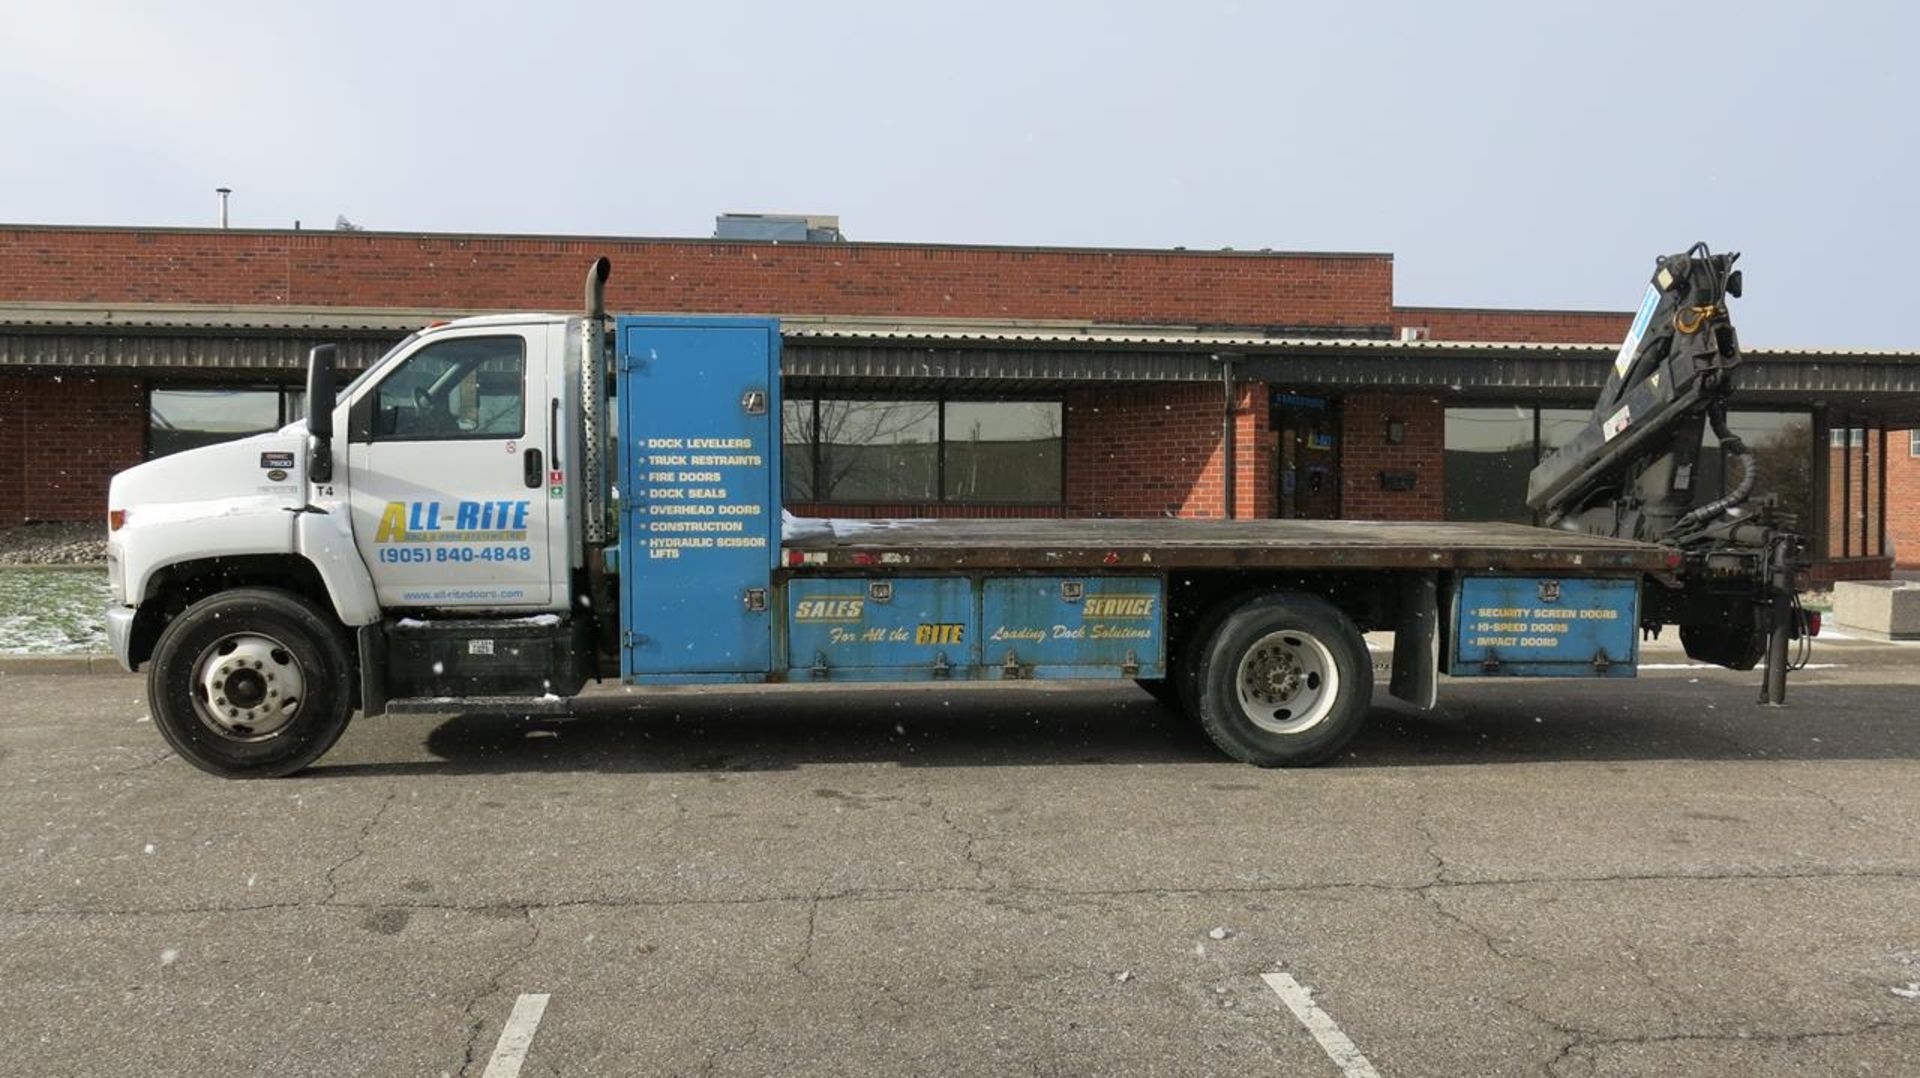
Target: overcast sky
1512	154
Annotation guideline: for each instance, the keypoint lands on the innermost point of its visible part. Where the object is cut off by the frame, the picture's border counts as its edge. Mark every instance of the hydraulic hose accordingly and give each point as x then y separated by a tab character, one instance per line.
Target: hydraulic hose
1749	475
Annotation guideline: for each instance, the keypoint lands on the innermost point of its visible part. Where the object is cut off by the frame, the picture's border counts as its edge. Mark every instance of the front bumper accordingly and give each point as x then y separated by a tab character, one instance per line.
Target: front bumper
120	634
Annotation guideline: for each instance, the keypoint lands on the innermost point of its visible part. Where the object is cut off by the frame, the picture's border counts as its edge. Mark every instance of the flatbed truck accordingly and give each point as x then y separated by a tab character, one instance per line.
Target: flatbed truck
504	509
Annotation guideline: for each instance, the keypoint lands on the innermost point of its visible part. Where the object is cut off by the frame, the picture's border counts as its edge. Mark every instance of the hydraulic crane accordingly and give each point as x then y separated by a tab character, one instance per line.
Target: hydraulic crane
1631	473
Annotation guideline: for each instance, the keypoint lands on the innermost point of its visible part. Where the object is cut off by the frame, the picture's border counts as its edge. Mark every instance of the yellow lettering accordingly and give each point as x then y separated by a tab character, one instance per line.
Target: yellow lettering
393	524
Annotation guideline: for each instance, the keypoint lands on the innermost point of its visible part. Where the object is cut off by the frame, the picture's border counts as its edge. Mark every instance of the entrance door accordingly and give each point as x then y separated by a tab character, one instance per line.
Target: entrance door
447	473
1307	457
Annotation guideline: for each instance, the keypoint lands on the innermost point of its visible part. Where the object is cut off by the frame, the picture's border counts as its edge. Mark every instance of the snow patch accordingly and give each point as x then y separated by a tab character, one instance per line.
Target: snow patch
795	529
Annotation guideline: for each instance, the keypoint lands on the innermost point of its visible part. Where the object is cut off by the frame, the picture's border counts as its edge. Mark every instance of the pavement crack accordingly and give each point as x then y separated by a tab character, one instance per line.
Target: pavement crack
857	894
1586	1045
799	965
1824	798
359	848
1432	847
1493	944
158	757
1661	992
470	1014
712	1063
969	843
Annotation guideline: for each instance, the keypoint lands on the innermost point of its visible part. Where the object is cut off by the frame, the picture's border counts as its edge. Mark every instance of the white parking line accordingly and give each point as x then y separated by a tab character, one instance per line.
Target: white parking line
1299	1000
516	1036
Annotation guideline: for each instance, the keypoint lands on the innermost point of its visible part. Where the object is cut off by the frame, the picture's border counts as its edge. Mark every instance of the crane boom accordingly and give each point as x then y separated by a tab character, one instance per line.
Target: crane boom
1631	473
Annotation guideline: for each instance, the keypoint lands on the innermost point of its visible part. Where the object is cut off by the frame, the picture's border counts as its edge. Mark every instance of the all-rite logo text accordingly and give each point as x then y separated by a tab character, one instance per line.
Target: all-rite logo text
463	522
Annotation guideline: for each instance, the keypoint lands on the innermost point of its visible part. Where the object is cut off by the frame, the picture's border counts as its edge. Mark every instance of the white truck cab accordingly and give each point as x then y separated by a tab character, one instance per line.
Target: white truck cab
440	490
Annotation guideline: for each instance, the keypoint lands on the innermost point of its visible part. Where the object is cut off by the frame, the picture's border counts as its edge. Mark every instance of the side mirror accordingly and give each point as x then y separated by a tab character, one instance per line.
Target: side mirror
320	413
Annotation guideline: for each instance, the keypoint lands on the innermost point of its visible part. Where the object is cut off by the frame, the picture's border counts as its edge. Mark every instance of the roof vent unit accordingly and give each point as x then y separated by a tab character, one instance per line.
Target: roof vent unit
779	227
1415	333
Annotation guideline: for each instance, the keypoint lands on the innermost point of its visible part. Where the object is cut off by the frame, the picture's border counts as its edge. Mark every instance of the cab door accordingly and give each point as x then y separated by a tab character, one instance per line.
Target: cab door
447	462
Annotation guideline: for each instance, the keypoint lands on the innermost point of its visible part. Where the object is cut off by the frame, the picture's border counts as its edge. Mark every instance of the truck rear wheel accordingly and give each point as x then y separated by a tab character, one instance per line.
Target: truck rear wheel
250	683
1285	681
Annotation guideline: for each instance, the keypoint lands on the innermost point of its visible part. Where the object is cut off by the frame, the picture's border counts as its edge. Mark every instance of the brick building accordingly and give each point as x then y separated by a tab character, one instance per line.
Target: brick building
935	379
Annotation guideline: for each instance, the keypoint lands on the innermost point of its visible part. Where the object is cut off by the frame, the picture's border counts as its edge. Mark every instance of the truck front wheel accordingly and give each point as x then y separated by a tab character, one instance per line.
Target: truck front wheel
1285	681
250	683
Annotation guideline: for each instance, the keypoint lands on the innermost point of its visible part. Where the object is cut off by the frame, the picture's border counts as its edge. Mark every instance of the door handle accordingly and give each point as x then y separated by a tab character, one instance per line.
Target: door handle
534	469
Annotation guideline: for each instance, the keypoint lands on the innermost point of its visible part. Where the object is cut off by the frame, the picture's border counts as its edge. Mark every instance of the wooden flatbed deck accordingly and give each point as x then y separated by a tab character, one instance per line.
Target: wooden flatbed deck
1090	544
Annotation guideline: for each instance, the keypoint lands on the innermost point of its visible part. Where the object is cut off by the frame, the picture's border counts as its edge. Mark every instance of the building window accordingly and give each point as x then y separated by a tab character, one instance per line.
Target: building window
1003	451
797	443
1491	450
892	451
1913	443
876	450
1782	444
188	417
1841	439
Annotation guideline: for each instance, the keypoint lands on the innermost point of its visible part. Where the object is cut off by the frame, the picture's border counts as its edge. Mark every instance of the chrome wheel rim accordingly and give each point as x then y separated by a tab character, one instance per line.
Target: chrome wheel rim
1287	682
248	687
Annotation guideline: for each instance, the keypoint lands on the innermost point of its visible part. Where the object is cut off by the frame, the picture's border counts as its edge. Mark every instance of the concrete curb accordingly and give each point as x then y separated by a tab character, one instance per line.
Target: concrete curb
40	665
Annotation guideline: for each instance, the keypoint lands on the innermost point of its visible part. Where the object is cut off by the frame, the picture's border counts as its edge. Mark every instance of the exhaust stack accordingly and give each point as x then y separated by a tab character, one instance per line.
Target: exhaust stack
593	382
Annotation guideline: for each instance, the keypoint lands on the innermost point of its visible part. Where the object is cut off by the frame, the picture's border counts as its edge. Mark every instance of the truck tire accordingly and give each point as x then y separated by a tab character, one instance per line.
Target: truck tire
251	683
1285	681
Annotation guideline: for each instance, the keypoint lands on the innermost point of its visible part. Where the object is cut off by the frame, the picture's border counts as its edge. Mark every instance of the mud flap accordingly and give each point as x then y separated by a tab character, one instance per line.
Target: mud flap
1416	642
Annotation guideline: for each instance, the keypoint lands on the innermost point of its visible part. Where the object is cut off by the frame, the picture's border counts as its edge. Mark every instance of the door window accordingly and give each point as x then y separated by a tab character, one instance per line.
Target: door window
465	388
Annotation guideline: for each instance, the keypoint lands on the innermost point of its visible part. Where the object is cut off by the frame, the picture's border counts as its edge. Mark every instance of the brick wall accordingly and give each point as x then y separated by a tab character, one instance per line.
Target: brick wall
1365	453
1155	451
1859	506
454	272
1488	324
1903	499
63	440
1822	575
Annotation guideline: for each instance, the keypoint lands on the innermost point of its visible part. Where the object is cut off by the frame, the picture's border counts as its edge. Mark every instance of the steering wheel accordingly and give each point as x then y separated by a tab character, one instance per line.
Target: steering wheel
422	401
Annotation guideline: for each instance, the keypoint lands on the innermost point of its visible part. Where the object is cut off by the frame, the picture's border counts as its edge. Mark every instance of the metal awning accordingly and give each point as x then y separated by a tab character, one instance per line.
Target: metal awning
1875	387
1879	387
175	351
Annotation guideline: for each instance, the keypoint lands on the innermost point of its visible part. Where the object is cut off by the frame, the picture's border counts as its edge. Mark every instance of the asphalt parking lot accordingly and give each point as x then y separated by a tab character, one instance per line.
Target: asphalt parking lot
1550	878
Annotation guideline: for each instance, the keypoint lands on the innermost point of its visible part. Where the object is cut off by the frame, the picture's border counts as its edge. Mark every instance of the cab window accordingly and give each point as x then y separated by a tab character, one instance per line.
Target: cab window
463	388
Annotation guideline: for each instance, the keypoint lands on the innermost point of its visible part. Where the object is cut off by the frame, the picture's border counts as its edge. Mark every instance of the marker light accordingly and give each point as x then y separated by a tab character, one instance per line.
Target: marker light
116	519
